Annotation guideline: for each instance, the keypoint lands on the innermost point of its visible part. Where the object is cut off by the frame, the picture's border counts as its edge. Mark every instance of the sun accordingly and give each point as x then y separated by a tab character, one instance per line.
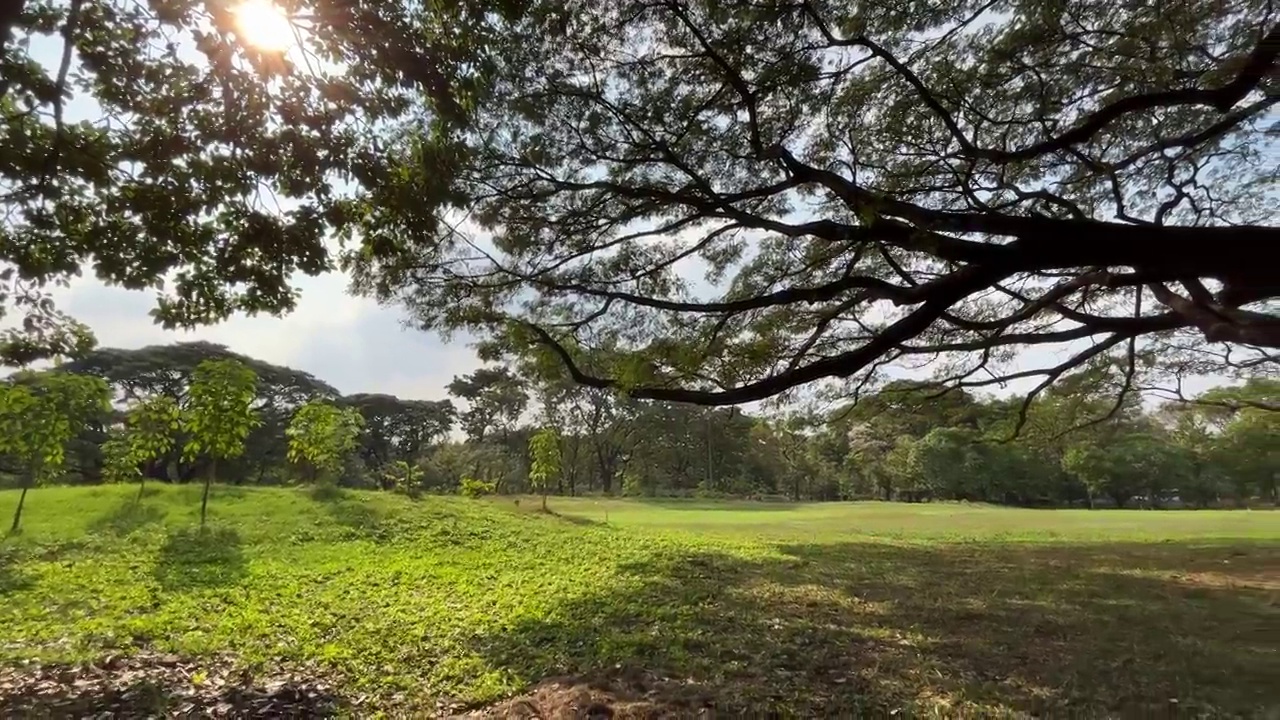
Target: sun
263	25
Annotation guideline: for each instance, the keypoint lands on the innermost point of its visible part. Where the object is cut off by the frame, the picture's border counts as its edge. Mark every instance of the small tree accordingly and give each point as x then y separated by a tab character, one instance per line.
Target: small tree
544	447
321	436
403	477
38	417
148	434
218	416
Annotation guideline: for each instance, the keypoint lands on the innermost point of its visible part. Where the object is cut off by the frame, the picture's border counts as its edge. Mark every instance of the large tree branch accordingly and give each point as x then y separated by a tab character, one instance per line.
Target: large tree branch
1257	66
946	293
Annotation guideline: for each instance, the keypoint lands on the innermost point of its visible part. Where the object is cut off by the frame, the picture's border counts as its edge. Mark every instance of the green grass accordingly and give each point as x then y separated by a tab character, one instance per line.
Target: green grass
810	609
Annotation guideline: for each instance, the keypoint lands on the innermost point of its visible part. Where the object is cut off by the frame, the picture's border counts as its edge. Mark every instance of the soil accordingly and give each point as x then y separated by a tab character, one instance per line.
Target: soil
150	684
624	696
157	685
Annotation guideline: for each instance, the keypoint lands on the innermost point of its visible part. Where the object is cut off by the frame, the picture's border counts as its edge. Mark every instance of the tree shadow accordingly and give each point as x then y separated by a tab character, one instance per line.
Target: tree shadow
11	578
359	519
126	517
193	558
699	505
868	628
326	492
572	519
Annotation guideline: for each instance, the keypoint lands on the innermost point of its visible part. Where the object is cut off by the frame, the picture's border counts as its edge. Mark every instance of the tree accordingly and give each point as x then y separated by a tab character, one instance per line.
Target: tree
400	430
37	421
142	373
1249	451
149	429
218	415
863	185
544	448
1133	461
321	436
495	400
157	147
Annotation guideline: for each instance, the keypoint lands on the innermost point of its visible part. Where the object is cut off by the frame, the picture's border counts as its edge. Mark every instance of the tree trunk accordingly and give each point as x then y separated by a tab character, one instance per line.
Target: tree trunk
204	500
142	486
544	501
22	499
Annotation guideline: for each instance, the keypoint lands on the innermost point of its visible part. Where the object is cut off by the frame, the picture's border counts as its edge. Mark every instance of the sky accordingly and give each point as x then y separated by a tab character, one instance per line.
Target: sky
349	342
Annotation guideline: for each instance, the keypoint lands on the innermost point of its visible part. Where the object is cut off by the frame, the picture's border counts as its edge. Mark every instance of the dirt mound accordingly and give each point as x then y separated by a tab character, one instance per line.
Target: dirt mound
148	684
629	697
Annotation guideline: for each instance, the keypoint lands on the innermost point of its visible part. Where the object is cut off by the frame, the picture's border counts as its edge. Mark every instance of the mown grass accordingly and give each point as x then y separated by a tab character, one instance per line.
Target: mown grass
808	609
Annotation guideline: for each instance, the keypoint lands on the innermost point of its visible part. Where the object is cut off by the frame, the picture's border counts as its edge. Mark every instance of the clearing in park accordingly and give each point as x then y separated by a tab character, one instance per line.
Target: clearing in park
374	602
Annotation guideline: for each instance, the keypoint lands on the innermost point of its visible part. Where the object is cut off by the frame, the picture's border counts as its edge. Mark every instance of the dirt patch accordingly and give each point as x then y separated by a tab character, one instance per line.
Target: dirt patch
148	684
622	697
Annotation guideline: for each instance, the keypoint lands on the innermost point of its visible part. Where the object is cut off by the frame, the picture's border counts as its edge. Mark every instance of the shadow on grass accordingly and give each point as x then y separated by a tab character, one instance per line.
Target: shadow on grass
11	579
127	516
864	628
572	519
360	519
191	558
326	492
716	505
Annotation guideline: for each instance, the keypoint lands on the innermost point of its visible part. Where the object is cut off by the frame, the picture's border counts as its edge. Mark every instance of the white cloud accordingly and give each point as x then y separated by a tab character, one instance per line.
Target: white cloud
350	342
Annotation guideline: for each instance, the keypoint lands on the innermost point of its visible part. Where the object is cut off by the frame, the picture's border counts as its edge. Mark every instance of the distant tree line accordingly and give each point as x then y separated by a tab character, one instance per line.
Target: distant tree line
189	412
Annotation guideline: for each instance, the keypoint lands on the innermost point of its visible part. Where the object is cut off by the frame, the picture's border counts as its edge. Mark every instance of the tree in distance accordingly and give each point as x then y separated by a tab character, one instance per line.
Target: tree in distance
38	418
321	436
218	416
148	435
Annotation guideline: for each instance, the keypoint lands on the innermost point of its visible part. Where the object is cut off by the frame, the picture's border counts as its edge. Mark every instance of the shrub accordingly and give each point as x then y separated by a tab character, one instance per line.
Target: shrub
471	487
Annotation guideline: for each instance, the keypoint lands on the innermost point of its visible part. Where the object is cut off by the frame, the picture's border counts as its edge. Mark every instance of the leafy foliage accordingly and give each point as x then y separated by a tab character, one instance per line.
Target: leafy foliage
151	145
544	447
38	415
150	427
473	488
403	477
779	198
219	414
322	435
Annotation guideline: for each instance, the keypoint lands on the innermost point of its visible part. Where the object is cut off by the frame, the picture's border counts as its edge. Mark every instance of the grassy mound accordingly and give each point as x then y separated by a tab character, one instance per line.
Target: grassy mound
446	603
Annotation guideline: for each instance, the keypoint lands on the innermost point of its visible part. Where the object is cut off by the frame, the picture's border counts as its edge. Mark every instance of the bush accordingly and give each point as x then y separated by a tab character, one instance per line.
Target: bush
471	487
403	477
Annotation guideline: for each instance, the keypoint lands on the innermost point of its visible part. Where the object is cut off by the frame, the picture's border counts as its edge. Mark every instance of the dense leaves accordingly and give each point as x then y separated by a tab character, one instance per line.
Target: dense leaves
153	145
149	435
39	416
903	442
544	463
321	436
687	200
218	415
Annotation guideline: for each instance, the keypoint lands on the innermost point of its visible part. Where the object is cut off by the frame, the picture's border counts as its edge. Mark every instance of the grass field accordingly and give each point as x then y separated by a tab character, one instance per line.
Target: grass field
806	609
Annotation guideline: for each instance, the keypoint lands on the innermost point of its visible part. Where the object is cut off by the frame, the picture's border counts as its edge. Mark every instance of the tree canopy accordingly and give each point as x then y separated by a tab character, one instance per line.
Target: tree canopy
686	200
718	203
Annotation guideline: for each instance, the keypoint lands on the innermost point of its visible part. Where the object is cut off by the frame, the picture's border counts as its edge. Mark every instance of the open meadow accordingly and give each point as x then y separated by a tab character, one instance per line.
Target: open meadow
445	604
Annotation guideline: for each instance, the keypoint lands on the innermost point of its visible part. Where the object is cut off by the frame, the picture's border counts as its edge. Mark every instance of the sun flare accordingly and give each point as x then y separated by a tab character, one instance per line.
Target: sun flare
263	25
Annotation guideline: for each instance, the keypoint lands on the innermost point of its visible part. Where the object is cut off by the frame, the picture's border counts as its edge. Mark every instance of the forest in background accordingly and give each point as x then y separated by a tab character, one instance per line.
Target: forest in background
1074	444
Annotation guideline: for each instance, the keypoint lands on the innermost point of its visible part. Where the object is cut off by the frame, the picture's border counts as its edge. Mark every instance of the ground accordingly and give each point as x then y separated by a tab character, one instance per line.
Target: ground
364	602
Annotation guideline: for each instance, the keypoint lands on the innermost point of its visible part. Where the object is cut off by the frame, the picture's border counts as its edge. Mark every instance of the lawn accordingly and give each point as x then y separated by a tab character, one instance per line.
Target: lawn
804	609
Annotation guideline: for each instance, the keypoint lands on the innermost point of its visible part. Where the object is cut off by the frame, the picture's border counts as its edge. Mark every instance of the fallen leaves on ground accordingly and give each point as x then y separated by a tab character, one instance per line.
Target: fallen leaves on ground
151	683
